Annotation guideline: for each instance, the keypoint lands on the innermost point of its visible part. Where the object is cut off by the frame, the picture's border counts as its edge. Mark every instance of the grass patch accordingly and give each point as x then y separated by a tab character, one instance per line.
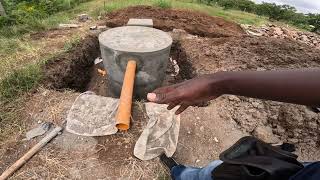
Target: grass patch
163	3
19	82
71	43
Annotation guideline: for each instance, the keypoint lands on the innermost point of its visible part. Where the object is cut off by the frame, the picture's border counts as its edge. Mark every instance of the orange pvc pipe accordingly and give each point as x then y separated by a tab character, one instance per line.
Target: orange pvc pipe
124	111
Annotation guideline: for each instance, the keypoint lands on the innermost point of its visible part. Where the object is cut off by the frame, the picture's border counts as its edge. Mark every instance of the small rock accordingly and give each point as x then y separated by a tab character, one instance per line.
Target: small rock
39	122
69	25
233	98
265	134
102	27
98	60
277	31
93	28
189	132
198	118
260	69
179	31
38	131
83	17
304	38
216	139
198	160
201	128
293	140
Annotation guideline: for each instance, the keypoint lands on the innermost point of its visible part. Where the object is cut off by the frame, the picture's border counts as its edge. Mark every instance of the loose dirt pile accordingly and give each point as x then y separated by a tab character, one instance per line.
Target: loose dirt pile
271	121
271	30
166	19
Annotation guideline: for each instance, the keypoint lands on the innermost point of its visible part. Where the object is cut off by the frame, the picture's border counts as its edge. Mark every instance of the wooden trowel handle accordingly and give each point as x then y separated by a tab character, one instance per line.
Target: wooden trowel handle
125	103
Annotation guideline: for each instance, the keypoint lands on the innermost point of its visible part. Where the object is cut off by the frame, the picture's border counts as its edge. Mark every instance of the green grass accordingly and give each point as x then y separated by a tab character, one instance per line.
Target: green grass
75	40
163	3
232	15
19	82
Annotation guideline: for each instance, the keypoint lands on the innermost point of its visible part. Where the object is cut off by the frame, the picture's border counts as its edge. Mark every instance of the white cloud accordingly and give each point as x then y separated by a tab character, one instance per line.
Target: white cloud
305	6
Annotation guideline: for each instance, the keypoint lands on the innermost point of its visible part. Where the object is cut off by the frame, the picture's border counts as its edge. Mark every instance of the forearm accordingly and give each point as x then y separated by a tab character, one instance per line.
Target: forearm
292	86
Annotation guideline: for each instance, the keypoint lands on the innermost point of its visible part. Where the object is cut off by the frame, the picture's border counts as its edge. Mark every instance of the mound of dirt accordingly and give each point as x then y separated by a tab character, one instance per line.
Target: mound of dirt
167	19
272	121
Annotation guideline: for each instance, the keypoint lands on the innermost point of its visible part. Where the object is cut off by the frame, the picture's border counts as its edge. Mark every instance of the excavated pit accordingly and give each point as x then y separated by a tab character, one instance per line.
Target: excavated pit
75	69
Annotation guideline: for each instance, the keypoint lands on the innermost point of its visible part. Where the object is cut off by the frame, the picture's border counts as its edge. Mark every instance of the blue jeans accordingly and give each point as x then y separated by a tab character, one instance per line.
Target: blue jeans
182	172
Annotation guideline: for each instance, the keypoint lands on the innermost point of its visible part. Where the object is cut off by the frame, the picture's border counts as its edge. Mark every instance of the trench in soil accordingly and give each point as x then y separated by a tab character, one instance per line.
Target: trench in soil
76	69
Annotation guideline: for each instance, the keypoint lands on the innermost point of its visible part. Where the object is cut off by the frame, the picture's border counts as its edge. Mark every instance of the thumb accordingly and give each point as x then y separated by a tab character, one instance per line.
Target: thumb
161	98
152	97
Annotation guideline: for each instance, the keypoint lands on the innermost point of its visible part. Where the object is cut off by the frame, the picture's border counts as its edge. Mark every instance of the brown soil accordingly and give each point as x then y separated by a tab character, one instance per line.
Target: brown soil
205	131
290	123
72	69
166	19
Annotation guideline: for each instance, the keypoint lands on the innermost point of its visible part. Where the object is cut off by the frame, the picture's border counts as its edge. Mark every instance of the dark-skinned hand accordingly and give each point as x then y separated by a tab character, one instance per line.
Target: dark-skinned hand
187	93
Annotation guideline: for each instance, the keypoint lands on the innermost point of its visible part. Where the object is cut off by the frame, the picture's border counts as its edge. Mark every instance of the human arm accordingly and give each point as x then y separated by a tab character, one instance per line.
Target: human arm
292	86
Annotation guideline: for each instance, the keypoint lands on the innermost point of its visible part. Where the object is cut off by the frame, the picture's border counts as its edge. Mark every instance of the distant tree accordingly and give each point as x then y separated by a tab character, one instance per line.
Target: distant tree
245	5
287	12
314	20
2	11
269	9
227	4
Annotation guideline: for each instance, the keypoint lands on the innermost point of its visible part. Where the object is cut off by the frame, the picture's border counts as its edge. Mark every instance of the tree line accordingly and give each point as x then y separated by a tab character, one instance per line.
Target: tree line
287	13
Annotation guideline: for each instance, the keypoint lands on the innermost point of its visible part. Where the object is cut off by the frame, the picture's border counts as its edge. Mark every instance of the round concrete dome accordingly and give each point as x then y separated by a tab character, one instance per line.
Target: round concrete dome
135	39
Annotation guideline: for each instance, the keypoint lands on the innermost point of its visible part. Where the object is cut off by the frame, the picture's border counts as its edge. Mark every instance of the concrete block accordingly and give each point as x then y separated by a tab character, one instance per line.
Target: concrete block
140	22
149	47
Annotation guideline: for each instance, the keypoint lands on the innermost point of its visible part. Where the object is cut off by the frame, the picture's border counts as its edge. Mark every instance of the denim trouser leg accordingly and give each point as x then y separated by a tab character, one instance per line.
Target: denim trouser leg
182	172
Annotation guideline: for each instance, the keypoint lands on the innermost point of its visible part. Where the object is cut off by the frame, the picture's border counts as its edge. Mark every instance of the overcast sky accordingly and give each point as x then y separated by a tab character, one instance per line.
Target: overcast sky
304	6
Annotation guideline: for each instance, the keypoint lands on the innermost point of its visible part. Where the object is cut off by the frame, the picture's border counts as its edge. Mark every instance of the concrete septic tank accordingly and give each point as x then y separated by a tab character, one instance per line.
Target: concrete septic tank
149	47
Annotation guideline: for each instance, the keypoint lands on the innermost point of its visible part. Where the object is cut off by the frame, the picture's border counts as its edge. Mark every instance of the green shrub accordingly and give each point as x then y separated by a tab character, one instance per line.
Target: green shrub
163	3
33	11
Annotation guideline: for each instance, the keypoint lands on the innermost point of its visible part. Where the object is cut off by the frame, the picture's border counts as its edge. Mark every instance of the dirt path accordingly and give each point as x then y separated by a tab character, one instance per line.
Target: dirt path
204	132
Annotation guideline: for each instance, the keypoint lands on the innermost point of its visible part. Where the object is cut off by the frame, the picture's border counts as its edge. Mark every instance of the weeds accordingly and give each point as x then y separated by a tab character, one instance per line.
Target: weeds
71	43
19	82
163	3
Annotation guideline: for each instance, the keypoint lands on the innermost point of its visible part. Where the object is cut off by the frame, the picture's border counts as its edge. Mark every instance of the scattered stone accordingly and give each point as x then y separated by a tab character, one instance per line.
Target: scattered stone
274	31
102	28
83	17
93	28
98	60
265	134
293	140
175	66
38	131
254	33
233	98
69	25
216	139
201	128
140	22
198	160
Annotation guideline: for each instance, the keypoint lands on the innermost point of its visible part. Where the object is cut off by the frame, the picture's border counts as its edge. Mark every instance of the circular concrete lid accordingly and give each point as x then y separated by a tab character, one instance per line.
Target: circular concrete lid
135	39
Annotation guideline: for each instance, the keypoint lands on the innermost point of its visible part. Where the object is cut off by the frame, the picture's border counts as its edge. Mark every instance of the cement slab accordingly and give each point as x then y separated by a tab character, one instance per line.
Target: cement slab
140	22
